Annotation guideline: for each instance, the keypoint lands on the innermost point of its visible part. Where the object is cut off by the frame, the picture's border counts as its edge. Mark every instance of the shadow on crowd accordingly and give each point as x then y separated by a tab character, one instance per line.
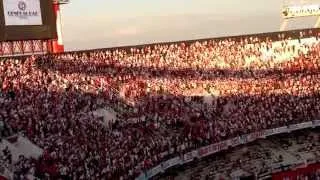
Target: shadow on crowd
288	108
68	67
248	113
257	112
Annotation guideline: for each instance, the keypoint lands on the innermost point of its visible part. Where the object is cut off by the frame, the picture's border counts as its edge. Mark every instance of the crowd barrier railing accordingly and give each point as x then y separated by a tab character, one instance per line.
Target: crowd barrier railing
293	174
224	145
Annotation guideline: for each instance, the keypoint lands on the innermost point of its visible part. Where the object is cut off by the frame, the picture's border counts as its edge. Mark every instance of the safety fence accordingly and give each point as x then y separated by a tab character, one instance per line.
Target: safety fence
224	145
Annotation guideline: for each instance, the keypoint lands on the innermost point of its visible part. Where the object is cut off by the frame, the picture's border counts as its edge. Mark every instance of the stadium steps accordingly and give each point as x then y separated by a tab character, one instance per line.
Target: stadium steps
15	152
17	146
7	171
108	115
25	147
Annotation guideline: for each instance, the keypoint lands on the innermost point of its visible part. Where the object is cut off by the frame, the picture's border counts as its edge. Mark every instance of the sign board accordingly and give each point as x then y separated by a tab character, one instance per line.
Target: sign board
301	11
61	1
22	12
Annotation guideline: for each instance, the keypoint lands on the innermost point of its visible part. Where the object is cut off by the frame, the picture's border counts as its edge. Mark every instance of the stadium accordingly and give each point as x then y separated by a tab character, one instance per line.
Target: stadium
244	106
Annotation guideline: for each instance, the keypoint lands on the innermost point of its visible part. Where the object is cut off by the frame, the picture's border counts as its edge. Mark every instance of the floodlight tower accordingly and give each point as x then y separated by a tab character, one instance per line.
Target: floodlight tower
293	9
57	44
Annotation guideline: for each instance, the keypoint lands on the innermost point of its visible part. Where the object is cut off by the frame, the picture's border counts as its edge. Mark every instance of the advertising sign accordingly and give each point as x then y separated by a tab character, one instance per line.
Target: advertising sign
22	12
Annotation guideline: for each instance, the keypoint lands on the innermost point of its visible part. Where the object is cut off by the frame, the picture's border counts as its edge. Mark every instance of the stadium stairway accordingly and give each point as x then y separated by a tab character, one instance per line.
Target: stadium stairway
15	152
21	146
17	146
6	171
27	148
108	115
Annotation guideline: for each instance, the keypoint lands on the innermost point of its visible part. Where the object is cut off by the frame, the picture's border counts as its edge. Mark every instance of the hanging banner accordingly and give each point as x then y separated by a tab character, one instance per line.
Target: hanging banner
213	148
316	123
256	135
154	171
234	142
171	162
279	130
188	157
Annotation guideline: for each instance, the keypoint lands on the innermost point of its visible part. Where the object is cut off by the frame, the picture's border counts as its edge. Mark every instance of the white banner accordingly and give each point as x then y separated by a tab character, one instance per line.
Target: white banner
22	12
188	157
306	125
294	127
154	171
279	130
256	135
234	142
171	162
316	123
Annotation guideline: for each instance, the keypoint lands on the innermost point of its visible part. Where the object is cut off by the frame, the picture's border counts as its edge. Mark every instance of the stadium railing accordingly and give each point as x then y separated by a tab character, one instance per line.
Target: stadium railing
224	145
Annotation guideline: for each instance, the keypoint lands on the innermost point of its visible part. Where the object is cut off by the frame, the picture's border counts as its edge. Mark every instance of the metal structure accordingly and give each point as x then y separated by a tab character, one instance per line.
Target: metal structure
11	48
293	9
57	44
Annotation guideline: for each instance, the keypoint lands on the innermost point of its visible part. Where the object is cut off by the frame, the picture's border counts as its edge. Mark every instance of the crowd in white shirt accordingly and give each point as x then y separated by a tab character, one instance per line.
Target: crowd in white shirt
50	99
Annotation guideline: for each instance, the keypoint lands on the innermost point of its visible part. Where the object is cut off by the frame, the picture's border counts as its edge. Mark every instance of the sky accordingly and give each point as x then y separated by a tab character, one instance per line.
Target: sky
111	23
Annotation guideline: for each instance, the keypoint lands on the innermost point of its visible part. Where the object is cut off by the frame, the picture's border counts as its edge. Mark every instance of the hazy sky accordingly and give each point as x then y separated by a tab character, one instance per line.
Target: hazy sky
107	23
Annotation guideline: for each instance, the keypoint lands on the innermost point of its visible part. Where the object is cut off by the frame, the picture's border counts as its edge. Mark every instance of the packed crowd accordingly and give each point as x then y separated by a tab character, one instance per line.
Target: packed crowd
251	85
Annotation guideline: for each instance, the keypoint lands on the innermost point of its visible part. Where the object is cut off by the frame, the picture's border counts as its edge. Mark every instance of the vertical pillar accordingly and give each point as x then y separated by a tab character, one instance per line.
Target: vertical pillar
11	47
283	25
32	46
22	47
57	44
2	49
317	22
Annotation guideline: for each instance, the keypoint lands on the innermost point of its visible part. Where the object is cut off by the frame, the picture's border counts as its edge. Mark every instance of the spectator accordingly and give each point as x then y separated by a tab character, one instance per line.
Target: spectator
250	85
